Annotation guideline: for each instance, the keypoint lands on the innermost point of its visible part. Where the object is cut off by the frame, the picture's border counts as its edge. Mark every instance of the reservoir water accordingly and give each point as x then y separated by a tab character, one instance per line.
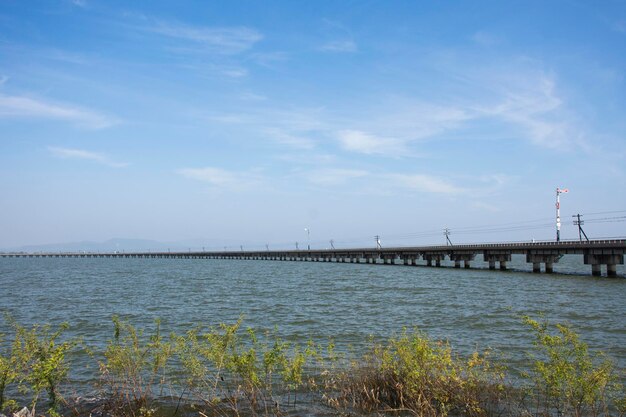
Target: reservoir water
473	308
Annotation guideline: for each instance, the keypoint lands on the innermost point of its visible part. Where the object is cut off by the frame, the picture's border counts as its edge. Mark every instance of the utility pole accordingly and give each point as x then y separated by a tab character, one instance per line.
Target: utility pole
241	247
332	244
559	191
446	233
580	223
378	245
267	246
297	248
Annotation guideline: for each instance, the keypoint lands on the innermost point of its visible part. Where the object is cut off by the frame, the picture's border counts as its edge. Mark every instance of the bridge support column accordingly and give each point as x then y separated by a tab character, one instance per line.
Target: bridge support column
466	263
547	258
497	256
611	270
457	263
438	262
429	261
610	260
596	270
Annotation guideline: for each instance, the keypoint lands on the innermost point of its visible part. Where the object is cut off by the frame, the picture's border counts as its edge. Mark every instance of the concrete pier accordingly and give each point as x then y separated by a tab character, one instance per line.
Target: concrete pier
611	260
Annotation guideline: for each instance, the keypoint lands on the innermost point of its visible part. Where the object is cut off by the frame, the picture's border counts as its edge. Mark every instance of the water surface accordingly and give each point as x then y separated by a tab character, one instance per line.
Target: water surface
474	308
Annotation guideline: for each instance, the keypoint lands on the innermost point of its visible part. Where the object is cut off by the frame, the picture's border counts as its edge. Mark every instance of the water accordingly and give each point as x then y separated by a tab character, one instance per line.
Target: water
473	308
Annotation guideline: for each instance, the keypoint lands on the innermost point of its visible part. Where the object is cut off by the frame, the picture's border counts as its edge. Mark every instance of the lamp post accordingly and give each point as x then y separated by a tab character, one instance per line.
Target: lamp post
308	237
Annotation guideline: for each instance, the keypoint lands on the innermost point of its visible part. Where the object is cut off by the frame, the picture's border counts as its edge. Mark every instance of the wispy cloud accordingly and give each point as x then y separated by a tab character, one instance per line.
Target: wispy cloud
224	40
362	142
252	97
68	153
483	206
334	176
534	109
295	128
235	72
292	140
221	178
26	107
344	45
338	177
338	37
424	183
485	38
269	59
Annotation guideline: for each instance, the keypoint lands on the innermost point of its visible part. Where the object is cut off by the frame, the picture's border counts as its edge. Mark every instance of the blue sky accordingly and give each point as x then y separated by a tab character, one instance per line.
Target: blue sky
244	122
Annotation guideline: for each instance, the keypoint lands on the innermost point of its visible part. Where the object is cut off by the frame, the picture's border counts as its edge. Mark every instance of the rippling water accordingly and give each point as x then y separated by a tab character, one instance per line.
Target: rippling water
348	302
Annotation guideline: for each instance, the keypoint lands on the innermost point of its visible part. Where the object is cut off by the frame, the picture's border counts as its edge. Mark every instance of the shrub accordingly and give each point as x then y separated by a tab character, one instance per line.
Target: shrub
413	373
39	362
567	379
133	366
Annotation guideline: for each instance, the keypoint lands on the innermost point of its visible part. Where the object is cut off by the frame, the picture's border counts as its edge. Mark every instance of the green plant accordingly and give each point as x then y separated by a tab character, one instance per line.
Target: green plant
133	366
8	372
413	373
226	366
566	378
40	362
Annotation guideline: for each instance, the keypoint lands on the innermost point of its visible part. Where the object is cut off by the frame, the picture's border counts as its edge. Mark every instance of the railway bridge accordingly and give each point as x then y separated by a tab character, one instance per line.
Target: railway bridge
596	253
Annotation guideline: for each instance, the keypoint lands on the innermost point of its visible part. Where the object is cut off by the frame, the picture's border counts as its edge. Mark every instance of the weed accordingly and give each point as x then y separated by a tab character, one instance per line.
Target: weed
133	367
567	379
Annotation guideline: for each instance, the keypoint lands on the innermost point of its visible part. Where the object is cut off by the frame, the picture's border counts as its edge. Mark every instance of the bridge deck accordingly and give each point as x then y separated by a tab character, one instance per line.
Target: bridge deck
595	253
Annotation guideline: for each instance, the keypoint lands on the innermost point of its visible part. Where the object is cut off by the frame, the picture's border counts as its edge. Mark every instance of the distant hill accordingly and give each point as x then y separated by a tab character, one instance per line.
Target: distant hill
126	245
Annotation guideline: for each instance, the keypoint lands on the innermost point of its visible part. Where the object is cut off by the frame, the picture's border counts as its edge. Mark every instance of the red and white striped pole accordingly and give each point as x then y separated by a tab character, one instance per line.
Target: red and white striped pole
558	212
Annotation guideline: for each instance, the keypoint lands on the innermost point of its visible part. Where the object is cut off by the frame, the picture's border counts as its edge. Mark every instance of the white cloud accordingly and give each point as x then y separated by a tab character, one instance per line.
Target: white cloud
485	38
297	141
483	206
85	155
333	176
252	97
235	72
534	108
269	59
19	106
411	120
225	40
221	178
424	183
346	45
362	142
291	127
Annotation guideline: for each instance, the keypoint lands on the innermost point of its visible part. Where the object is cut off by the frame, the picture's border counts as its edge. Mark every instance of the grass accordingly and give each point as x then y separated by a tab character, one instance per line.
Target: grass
229	370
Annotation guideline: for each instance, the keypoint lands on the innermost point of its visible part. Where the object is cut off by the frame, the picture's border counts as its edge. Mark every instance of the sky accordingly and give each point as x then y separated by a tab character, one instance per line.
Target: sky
243	123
